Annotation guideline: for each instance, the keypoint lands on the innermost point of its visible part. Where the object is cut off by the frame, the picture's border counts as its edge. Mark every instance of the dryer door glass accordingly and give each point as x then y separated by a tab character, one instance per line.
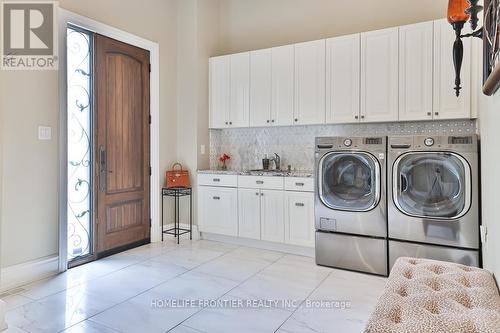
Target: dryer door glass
349	181
432	185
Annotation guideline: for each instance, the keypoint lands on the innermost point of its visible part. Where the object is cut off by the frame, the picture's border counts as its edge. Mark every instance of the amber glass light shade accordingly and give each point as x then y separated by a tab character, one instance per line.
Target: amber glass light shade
456	11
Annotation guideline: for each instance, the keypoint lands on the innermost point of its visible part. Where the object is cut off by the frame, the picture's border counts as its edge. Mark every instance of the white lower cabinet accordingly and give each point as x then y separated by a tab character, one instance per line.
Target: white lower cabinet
249	213
218	210
299	218
273	209
272	215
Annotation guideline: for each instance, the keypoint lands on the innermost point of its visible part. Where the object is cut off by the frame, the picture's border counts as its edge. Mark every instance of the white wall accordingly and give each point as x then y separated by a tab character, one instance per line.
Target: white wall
489	124
29	168
247	25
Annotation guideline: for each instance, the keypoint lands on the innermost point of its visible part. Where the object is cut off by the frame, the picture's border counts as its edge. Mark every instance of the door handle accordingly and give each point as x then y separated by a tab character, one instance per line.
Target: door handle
404	183
102	168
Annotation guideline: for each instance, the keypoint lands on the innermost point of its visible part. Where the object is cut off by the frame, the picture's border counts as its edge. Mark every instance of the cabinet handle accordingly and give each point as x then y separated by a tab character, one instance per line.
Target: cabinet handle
260	182
436	113
299	184
299	204
216	198
429	113
216	180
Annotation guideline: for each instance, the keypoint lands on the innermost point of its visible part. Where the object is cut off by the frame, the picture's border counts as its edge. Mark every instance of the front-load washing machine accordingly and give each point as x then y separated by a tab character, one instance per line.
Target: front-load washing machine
433	198
350	203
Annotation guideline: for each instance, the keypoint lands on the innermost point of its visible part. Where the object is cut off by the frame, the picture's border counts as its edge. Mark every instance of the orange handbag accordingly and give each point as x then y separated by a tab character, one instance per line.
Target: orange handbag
177	177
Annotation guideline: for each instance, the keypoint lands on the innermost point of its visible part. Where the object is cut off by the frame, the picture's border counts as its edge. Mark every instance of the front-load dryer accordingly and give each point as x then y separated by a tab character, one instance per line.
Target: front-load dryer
350	203
433	198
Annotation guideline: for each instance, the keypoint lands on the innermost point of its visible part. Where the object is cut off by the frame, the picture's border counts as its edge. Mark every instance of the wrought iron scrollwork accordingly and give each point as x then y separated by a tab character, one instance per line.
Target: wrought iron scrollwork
79	83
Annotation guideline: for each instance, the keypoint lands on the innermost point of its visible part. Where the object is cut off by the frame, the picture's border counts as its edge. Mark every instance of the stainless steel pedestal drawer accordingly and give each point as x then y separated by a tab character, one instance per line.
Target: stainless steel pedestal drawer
364	254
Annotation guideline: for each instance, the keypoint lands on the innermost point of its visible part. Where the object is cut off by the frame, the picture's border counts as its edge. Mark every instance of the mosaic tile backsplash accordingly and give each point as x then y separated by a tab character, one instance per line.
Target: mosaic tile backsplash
295	145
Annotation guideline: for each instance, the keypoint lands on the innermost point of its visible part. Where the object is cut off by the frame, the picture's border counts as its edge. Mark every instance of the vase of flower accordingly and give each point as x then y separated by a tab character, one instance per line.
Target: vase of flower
223	159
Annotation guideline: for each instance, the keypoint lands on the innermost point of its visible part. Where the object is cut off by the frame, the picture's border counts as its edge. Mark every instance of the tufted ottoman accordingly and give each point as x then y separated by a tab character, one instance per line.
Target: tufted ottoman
424	295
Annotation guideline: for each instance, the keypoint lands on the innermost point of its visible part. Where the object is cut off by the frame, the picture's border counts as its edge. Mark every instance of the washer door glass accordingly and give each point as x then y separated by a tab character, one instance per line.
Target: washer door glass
432	185
349	181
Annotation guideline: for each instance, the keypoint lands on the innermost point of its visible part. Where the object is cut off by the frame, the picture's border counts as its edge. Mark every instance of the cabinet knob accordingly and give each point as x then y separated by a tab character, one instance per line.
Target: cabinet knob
268	121
356	117
230	123
262	194
227	123
272	121
256	193
362	117
436	113
429	113
296	120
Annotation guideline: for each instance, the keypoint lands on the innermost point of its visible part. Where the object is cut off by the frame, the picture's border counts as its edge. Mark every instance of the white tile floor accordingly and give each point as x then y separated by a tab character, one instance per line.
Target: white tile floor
116	294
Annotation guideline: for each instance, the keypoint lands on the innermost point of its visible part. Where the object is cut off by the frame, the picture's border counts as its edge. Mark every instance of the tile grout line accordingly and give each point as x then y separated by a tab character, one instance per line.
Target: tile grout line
145	291
298	307
239	284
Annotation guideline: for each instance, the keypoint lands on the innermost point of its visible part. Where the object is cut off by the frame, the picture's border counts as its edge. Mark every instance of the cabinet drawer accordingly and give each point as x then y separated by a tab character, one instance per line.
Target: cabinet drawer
217	180
299	184
271	183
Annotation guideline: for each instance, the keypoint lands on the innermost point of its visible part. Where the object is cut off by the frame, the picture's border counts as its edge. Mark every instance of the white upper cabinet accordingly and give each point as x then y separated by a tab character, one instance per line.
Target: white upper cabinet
283	58
415	71
240	90
342	79
379	75
309	83
446	103
219	95
260	87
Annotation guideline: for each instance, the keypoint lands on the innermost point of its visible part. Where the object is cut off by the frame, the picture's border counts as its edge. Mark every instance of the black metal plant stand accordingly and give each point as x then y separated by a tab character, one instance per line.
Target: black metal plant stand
176	193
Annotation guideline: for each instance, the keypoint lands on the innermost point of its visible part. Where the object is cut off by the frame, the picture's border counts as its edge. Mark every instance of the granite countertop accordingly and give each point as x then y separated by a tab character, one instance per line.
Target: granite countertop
272	173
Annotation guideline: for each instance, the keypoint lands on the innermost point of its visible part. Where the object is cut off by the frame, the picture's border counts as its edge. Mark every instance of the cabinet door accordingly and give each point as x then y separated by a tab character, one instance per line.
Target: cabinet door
342	79
260	87
219	91
272	215
446	104
218	210
283	58
415	71
249	213
240	90
379	75
299	218
310	83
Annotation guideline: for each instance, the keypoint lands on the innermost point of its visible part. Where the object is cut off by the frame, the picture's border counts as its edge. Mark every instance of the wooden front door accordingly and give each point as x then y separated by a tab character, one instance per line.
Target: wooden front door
122	189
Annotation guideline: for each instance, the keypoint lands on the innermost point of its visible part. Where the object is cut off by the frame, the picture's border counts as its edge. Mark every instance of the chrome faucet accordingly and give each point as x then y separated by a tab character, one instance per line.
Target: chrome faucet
277	161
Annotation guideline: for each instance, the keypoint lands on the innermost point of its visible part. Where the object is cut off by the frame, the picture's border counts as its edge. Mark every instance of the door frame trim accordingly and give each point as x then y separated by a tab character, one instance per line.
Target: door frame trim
66	17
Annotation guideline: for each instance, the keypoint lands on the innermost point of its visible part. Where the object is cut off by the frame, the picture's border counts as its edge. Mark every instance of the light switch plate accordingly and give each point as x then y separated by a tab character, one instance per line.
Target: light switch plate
44	133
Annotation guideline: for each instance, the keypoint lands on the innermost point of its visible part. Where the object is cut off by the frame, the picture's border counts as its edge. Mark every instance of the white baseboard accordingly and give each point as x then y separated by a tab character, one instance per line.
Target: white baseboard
280	247
18	275
196	233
